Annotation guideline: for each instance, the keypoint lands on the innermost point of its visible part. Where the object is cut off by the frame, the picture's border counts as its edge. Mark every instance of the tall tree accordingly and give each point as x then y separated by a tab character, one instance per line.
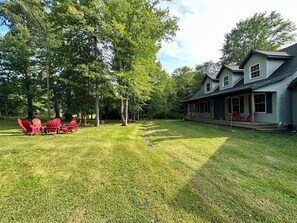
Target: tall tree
261	32
33	15
136	28
18	60
81	23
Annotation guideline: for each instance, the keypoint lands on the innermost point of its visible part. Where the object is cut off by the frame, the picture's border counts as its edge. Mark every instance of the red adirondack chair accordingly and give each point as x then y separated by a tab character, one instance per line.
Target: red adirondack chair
30	128
57	120
37	123
52	126
76	126
24	130
69	128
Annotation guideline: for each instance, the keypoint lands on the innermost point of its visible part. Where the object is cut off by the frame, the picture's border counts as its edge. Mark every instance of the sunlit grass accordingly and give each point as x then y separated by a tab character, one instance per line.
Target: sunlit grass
161	171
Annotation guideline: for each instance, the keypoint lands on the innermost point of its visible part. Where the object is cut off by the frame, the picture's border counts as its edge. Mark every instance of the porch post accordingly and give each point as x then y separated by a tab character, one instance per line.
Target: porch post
253	109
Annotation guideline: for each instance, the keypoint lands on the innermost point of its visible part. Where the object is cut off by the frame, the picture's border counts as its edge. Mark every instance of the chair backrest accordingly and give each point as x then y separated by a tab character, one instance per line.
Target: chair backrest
249	118
57	120
235	115
21	124
72	123
36	122
52	124
27	125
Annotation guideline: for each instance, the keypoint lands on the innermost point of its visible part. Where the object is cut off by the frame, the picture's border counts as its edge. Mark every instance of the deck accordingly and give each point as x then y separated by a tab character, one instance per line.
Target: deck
249	125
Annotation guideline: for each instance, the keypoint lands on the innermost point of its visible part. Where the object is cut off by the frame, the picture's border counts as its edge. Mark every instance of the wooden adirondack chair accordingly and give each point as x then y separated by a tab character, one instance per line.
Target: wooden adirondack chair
52	126
76	126
30	128
57	120
37	123
24	130
70	127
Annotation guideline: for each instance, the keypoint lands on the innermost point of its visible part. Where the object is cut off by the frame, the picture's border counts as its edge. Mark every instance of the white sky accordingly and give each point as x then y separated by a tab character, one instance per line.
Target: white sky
203	23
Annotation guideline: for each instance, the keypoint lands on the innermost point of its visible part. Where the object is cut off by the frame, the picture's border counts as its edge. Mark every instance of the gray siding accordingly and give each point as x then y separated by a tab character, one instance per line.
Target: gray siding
225	73
283	99
294	107
233	79
272	65
213	85
268	117
255	59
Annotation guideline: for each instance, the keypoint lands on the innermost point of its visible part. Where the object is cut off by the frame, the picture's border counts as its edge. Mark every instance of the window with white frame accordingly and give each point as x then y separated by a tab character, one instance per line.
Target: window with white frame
235	104
260	103
255	71
206	107
208	87
225	81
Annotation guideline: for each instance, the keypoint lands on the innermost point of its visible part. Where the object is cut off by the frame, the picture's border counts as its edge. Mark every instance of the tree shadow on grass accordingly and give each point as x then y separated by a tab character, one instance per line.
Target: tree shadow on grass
9	133
237	183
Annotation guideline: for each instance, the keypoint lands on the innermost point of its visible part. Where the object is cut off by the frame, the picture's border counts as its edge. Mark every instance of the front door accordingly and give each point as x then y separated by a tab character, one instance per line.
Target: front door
219	108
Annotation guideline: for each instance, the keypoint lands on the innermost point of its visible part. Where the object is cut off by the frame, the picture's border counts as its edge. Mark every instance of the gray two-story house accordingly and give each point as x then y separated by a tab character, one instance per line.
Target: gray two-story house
262	89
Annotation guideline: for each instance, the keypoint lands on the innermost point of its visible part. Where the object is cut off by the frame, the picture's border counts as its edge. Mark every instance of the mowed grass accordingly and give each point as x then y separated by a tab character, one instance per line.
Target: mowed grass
150	171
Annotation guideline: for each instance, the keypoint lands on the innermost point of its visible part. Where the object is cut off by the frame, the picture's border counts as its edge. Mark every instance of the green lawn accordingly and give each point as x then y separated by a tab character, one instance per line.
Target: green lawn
151	171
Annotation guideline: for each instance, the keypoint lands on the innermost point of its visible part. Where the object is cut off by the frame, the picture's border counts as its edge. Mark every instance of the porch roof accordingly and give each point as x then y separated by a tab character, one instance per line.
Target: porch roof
293	83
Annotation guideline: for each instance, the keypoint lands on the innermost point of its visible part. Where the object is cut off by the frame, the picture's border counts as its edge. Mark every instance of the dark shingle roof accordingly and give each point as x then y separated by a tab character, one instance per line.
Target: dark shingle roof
269	54
233	68
211	76
293	83
288	68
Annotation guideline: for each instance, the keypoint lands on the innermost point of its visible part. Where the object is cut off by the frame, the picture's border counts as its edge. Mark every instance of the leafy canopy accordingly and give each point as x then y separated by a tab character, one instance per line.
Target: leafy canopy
260	32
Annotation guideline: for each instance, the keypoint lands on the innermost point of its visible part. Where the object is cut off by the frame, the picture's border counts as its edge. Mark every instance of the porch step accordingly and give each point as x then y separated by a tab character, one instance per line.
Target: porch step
265	127
270	128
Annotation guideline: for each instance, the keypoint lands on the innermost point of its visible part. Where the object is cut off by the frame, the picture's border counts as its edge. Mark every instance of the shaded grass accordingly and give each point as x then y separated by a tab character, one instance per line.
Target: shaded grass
181	172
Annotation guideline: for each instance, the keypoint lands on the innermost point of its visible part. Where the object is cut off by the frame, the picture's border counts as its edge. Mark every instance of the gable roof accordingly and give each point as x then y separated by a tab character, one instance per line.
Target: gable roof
288	68
233	68
268	54
211	76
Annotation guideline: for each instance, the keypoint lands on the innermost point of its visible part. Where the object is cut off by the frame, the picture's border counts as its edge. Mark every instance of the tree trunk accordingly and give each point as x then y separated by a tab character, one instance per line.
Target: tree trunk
97	121
6	107
124	111
57	108
30	107
127	110
47	75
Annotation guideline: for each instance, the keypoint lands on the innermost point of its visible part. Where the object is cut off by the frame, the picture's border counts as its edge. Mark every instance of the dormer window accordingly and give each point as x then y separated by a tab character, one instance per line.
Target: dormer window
225	81
208	87
255	71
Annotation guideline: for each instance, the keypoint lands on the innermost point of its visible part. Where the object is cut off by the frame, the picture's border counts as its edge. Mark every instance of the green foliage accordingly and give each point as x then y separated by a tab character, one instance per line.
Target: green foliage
260	32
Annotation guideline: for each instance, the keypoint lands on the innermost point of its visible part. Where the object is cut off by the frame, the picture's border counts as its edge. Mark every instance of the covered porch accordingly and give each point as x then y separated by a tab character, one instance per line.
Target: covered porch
256	126
240	124
247	109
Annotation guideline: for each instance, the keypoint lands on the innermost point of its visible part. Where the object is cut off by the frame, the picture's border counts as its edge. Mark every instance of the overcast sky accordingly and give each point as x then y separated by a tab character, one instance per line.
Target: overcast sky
203	24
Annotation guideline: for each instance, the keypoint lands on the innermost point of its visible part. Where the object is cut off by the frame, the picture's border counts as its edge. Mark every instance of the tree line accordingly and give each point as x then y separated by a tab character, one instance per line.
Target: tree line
98	58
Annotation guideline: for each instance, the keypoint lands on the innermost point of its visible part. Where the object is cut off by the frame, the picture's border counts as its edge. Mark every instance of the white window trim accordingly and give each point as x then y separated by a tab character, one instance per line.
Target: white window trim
209	87
224	81
253	78
264	103
238	103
